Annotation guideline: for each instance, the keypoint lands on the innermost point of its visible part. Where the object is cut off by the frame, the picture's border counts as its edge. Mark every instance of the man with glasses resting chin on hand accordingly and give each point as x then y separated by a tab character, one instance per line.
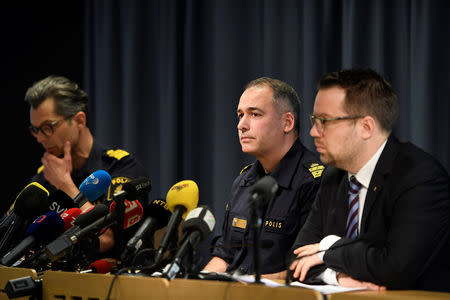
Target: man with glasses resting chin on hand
381	216
58	121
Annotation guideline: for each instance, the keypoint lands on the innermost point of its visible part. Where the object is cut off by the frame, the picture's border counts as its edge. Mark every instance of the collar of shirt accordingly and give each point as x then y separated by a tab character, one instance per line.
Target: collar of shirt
365	173
283	172
363	176
93	162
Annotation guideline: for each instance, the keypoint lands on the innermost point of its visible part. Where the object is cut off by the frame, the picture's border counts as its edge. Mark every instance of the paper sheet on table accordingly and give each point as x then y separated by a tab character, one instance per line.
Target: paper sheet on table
324	289
251	279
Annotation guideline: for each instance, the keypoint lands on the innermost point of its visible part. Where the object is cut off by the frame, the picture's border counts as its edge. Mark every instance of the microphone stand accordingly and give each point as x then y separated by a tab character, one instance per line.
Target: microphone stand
120	209
256	224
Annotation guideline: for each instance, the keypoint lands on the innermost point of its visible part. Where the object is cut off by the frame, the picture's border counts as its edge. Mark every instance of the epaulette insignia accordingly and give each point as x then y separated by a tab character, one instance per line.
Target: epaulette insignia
117	154
245	168
316	169
41	168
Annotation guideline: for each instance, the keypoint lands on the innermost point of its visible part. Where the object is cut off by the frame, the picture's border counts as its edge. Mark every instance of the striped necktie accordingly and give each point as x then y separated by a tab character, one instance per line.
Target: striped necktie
351	230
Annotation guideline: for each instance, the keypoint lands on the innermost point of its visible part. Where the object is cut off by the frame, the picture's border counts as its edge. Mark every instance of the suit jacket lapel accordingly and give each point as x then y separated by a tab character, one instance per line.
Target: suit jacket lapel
342	205
378	180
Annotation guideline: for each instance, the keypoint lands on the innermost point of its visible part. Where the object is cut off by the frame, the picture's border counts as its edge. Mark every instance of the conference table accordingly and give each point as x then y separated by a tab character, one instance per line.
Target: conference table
76	286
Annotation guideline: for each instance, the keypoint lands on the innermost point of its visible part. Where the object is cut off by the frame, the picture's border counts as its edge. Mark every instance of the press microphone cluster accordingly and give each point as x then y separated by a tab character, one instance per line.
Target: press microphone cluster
61	233
197	226
63	243
33	200
44	229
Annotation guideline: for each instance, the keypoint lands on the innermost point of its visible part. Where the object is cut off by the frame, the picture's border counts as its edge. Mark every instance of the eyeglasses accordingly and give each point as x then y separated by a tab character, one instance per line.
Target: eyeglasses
320	122
47	129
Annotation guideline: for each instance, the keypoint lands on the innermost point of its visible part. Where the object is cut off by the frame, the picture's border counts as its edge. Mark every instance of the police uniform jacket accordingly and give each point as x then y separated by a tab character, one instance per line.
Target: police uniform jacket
404	238
298	175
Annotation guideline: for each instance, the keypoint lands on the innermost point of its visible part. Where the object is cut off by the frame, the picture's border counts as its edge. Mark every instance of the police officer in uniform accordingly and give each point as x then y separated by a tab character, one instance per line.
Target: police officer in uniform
268	129
58	117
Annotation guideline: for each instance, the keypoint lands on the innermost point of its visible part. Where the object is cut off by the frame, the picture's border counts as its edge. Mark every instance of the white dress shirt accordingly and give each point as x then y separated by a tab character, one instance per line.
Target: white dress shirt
364	176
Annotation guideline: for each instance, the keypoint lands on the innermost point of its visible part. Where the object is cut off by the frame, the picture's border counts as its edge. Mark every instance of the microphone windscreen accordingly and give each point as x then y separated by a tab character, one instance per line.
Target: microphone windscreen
138	187
133	212
69	217
91	215
95	185
46	227
200	219
157	209
32	201
103	265
183	193
266	187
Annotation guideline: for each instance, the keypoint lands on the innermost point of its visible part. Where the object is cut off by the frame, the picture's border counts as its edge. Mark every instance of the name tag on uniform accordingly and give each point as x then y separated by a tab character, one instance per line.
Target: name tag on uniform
239	223
273	225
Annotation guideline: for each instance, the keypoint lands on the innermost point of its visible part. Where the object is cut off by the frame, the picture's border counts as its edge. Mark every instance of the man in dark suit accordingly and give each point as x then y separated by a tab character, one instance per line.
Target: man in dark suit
382	213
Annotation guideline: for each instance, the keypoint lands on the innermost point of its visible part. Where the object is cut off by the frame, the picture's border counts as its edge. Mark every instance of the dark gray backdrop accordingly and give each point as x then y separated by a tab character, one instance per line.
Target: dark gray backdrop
164	77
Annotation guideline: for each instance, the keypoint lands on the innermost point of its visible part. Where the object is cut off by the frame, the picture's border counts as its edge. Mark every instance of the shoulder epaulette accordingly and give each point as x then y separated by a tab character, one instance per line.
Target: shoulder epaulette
40	169
315	168
245	168
117	153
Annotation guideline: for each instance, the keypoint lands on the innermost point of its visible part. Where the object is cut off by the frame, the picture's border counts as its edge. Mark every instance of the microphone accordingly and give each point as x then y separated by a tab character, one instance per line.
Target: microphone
198	225
86	217
133	212
44	228
157	219
181	199
69	217
31	202
263	191
134	189
102	266
92	187
260	194
62	244
61	247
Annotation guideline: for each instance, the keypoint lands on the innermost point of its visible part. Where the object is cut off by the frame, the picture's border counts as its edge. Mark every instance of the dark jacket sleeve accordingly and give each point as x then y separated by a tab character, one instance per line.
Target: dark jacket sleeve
310	233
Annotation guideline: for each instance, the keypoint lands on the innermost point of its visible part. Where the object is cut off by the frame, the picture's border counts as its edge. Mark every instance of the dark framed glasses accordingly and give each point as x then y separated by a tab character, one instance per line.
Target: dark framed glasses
320	122
48	128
